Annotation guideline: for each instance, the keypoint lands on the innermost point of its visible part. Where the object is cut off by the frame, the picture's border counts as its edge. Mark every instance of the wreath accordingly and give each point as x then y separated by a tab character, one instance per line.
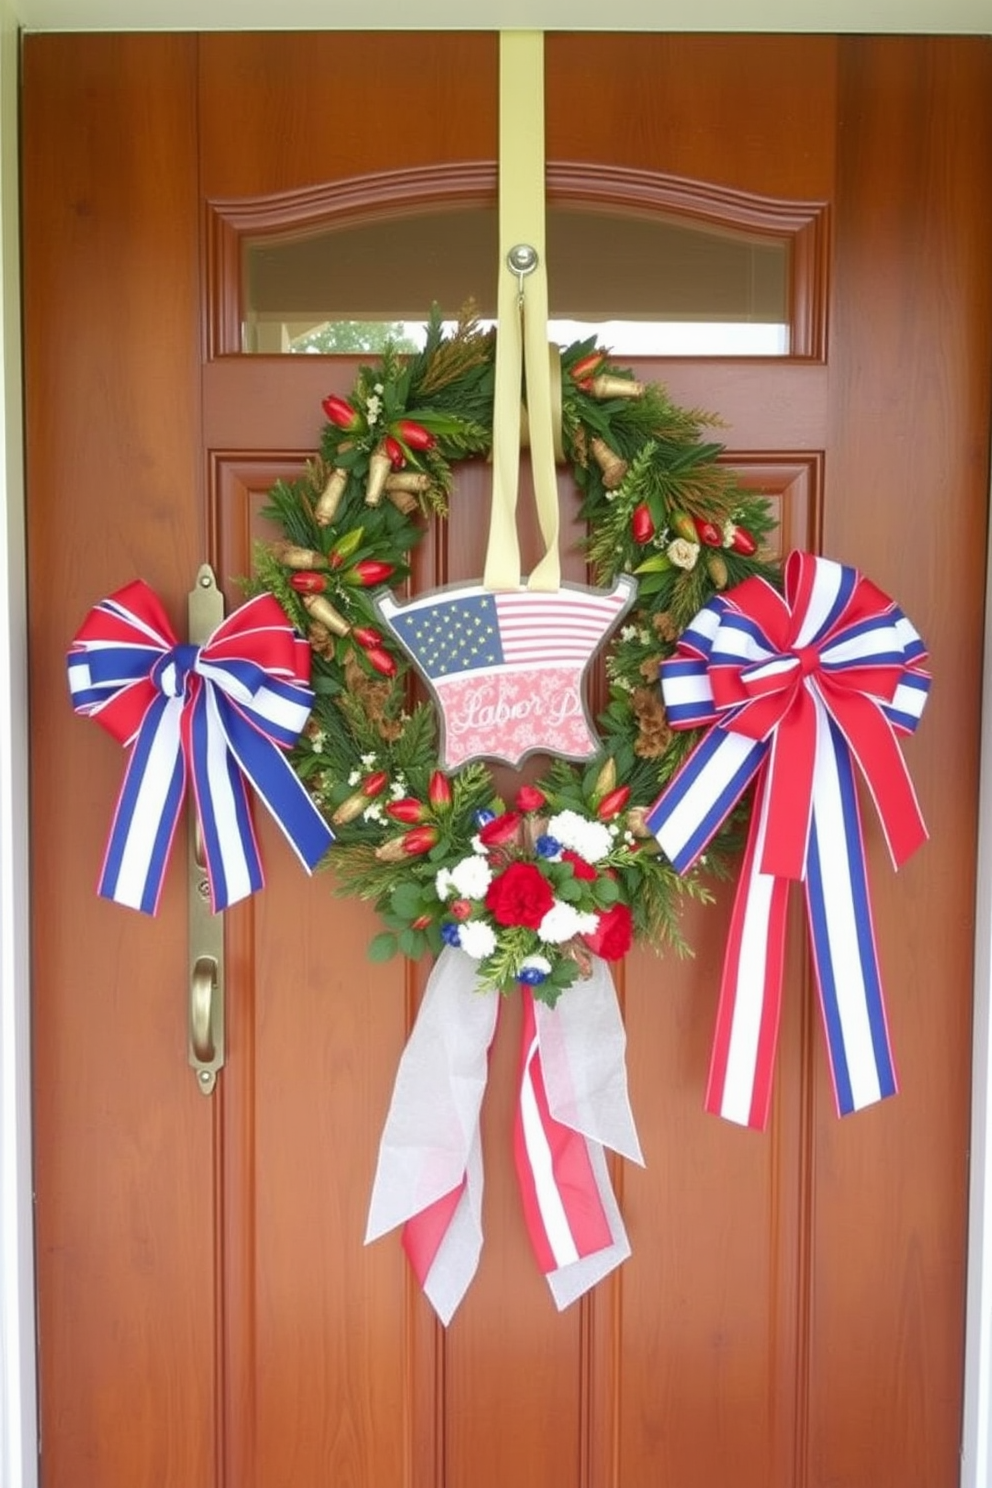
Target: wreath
532	887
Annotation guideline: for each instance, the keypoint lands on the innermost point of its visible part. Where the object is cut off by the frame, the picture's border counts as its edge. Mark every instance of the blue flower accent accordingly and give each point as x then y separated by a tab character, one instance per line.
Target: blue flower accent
484	817
532	975
450	934
548	846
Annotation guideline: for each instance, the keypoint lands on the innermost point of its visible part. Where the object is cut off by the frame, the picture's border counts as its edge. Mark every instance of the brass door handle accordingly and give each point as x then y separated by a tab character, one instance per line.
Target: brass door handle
203	987
206	930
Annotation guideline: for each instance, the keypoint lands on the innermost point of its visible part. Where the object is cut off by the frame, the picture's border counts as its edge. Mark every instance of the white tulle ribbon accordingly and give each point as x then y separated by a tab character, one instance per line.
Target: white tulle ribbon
572	1105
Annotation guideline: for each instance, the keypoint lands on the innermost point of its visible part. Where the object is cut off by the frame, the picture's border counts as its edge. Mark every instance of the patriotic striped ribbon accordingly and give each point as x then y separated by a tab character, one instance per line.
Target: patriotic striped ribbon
218	715
572	1103
796	691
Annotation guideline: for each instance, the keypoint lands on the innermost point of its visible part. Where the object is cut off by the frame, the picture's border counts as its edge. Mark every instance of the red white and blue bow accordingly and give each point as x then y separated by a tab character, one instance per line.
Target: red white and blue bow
796	690
572	1103
219	715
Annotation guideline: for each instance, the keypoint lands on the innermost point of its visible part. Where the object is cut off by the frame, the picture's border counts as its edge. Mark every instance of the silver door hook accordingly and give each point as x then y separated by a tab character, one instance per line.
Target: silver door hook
522	260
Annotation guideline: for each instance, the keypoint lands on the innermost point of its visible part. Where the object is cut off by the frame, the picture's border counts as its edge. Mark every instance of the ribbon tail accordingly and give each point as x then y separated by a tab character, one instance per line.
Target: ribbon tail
277	784
573	1098
443	1242
147	812
843	936
742	1062
429	1172
691	807
234	866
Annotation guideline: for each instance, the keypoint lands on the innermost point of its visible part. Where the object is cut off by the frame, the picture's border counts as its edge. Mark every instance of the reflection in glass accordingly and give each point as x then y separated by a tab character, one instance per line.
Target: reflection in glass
644	284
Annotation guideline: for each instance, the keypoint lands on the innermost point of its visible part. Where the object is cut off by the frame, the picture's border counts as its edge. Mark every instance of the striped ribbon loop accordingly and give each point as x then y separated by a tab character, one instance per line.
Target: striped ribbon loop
218	716
572	1103
796	690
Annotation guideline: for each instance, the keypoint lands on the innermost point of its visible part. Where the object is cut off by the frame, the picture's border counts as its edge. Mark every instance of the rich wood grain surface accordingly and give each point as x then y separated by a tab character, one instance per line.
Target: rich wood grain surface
792	1316
123	1140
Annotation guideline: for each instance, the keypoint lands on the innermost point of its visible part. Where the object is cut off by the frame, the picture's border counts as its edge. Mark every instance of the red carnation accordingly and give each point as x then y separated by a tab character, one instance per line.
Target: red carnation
580	867
612	937
500	830
520	895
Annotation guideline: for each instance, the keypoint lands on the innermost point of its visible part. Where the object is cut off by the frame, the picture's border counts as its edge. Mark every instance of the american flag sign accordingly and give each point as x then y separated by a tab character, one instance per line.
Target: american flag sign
507	667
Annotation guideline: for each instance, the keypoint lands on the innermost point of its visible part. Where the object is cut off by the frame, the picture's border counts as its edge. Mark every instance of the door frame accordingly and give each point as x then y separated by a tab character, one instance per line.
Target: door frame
18	1400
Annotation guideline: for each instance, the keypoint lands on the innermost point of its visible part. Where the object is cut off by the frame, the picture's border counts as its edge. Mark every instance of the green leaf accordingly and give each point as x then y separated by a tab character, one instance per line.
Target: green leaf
382	947
605	892
411	943
406	900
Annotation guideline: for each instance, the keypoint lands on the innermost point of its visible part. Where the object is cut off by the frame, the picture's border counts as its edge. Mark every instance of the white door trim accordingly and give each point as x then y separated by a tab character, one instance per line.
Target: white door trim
18	1400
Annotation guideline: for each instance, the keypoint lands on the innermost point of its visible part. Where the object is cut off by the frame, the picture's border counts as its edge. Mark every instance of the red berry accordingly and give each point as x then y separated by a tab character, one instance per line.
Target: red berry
415	436
439	789
743	542
587	366
420	840
308	583
369	572
340	412
407	809
708	532
381	661
613	803
642	523
395	452
366	636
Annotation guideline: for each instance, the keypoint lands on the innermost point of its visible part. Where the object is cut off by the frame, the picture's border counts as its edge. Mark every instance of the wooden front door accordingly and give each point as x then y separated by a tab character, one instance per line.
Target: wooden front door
792	1316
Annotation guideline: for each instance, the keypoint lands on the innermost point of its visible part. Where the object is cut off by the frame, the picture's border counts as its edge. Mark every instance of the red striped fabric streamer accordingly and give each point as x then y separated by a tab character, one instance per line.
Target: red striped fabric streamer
562	1207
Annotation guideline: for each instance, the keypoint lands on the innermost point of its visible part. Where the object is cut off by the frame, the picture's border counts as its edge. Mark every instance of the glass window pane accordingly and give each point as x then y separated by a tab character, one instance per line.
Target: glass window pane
648	285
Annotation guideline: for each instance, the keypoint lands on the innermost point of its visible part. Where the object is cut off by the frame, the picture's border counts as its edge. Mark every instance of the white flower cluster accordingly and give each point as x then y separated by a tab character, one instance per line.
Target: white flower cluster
373	405
469	879
477	939
563	921
590	839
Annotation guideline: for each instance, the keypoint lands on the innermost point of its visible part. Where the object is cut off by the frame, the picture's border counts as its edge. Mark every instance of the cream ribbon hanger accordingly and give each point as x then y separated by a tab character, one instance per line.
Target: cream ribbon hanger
522	321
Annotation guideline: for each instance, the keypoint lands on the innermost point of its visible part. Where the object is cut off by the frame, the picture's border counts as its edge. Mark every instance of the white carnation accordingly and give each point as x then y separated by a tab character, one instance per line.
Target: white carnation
536	963
563	921
472	877
590	839
444	885
477	939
